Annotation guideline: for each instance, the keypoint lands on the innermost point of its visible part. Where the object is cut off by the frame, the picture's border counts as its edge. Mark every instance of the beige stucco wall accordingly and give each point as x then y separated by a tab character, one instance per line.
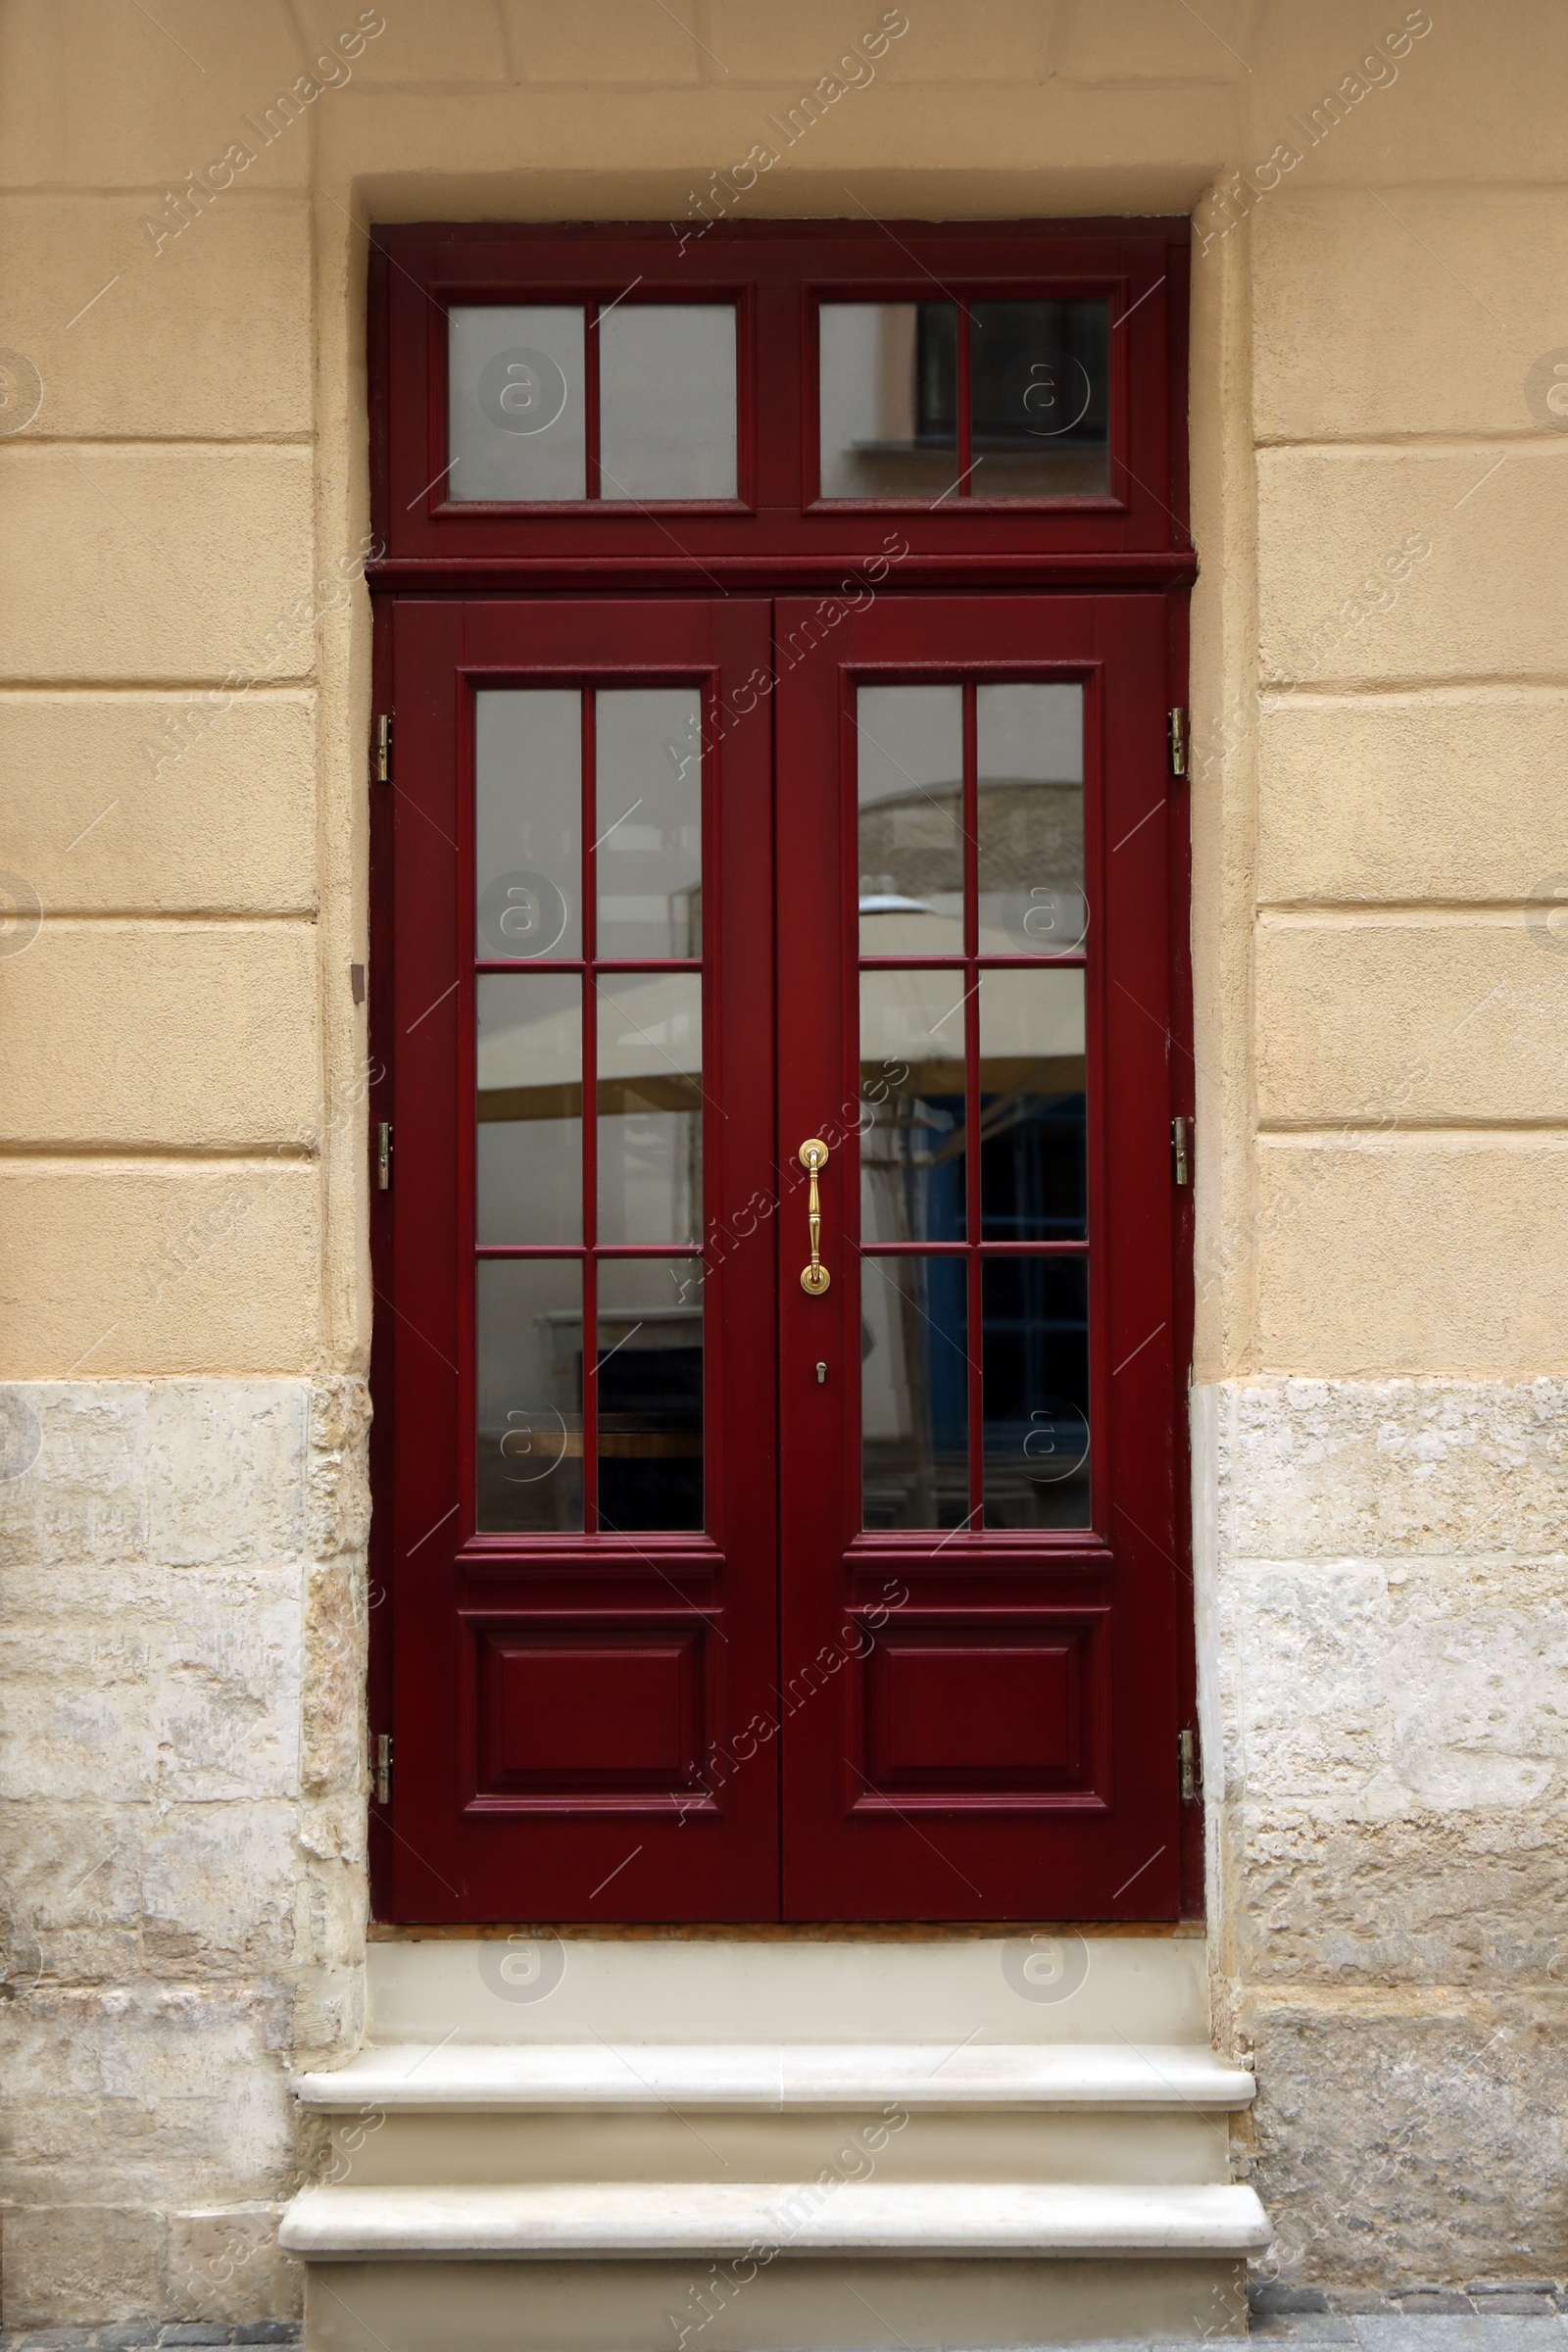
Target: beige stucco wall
1382	1165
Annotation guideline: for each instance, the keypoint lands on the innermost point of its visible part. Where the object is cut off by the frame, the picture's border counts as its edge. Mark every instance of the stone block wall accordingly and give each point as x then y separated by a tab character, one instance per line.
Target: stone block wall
181	1794
1384	1607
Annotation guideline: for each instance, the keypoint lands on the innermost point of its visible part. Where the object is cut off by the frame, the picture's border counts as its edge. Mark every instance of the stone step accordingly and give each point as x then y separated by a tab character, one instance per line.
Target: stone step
760	2076
605	2220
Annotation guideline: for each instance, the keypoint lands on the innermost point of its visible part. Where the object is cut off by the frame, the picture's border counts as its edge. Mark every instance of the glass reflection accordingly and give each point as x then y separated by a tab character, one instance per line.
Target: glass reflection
1029	743
650	1101
1039	395
648	822
666	401
1032	1124
914	1398
529	1317
911	1095
1035	1385
650	1379
888	401
909	769
516	379
528	821
529	1051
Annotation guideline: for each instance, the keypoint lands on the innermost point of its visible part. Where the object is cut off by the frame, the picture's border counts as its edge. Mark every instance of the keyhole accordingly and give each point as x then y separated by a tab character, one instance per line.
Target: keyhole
821	1374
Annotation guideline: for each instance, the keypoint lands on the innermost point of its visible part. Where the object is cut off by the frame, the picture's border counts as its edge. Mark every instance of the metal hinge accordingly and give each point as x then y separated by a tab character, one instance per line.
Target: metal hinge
384	1768
1176	735
1191	1773
383	747
383	1157
1181	1149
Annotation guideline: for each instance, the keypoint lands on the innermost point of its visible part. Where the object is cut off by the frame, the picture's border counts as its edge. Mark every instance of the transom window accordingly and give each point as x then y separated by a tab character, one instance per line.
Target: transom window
742	392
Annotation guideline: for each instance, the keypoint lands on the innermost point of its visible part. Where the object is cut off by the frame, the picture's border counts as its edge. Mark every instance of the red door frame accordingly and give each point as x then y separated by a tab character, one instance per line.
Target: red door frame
1136	541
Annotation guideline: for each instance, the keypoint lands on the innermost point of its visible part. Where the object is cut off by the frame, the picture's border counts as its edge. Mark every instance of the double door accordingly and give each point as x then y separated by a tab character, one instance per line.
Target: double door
777	1350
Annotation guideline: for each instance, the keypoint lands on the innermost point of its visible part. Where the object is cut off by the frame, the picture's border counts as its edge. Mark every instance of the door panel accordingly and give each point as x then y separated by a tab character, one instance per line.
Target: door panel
584	1525
978	1516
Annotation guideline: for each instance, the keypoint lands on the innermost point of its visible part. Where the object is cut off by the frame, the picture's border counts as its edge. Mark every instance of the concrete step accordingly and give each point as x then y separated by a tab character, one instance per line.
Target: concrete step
757	2076
619	2220
647	2146
710	2267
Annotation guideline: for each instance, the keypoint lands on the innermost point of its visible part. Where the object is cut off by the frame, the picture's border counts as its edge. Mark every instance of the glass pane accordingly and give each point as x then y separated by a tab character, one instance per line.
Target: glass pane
648	822
1040	399
1030	757
529	1051
914	1394
1032	1164
912	1089
650	1107
666	401
650	1374
910	792
1035	1383
528	821
514	379
889	401
529	1395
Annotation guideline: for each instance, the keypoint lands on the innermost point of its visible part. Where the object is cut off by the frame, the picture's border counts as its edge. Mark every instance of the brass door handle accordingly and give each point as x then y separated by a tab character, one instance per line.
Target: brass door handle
815	1277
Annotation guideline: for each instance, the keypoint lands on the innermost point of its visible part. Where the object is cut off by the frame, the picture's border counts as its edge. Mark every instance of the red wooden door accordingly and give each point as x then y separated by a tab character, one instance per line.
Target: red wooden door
979	1667
672	1530
579	1310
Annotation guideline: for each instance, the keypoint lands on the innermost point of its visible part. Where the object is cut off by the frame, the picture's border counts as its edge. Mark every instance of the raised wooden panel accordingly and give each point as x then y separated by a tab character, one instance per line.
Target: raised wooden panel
587	1711
983	1709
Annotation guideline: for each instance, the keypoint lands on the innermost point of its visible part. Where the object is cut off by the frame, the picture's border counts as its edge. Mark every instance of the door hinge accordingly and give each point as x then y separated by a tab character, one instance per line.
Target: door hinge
383	1157
1191	1771
384	1768
1181	1149
383	747
1176	735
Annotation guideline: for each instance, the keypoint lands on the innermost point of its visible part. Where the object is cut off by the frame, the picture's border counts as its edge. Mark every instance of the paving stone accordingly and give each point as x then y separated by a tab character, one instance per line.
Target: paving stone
1510	2286
1303	2327
196	2332
1430	2302
1361	2302
268	2331
1446	2332
1273	2296
135	2337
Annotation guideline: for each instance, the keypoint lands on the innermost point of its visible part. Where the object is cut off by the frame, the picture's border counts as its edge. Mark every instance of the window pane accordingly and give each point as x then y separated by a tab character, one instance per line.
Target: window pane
909	764
1035	1383
915	1395
648	822
911	1089
888	401
1030	747
515	395
1039	392
531	1107
650	1107
529	1395
529	822
1032	1165
666	401
650	1376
